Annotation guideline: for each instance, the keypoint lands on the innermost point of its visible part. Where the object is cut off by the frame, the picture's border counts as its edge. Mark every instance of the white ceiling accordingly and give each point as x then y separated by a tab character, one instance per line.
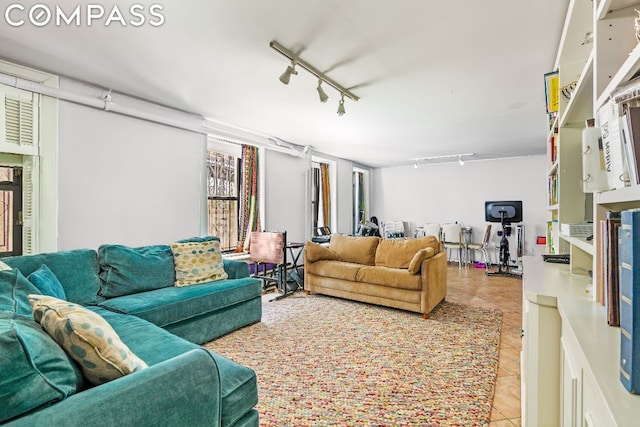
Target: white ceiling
434	78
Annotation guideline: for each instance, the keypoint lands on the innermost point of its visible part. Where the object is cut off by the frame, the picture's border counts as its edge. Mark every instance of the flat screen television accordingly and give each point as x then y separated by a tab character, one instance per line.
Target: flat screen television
510	210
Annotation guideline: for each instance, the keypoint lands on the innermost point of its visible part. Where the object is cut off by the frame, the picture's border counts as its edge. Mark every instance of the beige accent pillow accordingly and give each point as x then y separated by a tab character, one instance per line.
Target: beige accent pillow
359	250
315	252
86	337
197	262
398	253
416	261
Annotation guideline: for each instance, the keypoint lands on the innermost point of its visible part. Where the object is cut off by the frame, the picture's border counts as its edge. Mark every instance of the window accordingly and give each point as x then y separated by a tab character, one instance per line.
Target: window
223	198
321	200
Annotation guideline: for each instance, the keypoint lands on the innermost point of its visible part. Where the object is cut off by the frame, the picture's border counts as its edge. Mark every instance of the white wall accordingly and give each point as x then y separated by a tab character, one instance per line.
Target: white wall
125	180
285	178
286	199
442	193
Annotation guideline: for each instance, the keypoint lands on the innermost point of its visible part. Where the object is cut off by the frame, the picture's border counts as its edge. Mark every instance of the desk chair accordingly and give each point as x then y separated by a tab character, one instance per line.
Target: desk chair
482	246
452	239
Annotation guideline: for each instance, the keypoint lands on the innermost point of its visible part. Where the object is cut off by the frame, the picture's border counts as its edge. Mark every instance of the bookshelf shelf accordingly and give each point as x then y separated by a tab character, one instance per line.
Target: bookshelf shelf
579	108
582	244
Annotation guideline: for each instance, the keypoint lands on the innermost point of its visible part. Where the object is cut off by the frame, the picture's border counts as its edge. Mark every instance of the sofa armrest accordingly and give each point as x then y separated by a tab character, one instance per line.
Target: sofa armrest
181	391
236	269
434	281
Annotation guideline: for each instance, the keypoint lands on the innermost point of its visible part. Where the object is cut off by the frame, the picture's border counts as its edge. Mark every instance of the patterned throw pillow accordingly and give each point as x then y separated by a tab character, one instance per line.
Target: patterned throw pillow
197	262
87	338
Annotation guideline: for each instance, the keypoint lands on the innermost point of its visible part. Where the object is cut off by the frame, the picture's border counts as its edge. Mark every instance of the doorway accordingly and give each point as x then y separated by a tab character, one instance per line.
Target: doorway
10	211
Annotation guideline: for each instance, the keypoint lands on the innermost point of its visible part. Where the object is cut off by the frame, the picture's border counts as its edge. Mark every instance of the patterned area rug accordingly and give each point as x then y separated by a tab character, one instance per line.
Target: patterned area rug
324	361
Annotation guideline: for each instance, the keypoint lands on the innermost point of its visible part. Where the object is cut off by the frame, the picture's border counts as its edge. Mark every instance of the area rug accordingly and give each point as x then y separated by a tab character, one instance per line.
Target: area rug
323	361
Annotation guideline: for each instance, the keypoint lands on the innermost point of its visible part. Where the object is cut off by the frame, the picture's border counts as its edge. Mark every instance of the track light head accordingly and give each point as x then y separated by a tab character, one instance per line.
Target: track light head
460	161
321	93
341	110
415	164
286	76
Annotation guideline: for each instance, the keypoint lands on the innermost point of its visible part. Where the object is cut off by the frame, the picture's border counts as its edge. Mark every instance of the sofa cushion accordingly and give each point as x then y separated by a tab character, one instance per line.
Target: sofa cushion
397	253
172	305
197	262
126	270
47	282
359	250
35	370
87	338
334	269
314	252
14	292
392	277
238	383
416	261
77	270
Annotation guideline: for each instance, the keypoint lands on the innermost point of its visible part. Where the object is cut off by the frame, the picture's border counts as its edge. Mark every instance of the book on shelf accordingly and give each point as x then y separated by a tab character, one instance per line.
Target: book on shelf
599	279
609	123
552	190
583	230
629	261
552	227
630	128
611	268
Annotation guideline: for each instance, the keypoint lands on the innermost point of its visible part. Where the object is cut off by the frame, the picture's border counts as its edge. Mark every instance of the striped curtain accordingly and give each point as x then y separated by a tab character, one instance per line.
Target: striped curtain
249	219
326	196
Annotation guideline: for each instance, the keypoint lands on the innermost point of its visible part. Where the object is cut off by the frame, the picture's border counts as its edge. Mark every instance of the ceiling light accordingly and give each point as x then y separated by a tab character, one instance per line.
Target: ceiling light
460	160
323	95
322	78
286	76
341	110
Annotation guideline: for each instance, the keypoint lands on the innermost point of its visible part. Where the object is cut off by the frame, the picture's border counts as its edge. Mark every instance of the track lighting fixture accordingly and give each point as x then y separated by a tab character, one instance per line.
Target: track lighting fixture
286	76
442	159
323	95
341	110
322	78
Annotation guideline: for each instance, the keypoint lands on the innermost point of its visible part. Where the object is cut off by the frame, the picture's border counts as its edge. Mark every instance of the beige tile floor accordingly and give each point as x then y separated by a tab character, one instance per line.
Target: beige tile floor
471	286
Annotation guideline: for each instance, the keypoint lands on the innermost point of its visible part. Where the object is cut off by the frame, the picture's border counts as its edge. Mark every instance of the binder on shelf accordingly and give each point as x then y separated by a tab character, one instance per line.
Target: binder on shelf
609	123
594	176
629	259
630	125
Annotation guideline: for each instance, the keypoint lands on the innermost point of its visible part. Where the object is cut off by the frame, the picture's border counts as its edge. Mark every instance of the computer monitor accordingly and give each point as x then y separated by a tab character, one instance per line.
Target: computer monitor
506	210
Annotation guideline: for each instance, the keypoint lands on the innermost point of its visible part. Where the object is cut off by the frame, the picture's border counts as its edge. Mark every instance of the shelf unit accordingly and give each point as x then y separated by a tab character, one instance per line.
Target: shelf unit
574	64
580	385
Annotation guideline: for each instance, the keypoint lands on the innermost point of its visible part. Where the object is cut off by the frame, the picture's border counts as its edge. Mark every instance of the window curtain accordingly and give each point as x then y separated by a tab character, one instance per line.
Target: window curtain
326	196
361	213
249	219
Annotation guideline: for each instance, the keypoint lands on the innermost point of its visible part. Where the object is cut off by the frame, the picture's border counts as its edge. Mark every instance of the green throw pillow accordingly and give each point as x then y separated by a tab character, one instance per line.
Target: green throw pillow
47	282
14	292
87	338
35	371
125	270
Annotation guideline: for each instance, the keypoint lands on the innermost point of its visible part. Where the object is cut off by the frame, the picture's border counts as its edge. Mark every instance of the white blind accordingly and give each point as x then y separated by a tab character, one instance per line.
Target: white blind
18	121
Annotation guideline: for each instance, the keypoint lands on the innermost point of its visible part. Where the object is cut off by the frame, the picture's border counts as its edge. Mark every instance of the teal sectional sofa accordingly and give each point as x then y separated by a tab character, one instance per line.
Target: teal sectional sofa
164	325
